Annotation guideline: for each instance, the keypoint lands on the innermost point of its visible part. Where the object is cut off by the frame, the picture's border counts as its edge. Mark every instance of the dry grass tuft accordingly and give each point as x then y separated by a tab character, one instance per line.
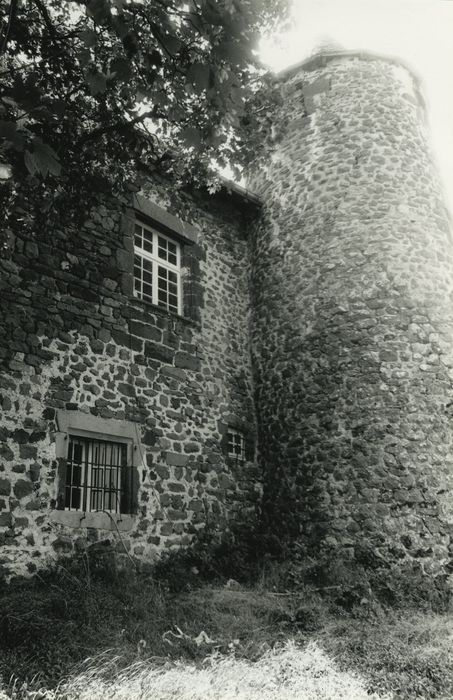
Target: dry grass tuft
289	673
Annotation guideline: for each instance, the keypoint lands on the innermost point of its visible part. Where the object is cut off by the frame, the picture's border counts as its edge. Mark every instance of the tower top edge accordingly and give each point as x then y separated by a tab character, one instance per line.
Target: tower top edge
321	58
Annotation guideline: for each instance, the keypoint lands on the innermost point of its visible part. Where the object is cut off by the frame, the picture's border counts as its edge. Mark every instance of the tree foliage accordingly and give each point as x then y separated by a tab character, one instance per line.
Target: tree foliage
101	92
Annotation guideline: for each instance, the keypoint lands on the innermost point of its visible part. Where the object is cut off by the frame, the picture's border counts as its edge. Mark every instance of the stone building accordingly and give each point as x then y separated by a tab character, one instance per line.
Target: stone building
294	345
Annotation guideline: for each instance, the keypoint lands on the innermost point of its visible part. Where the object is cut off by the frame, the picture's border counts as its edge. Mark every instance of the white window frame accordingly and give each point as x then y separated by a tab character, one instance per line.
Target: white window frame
156	262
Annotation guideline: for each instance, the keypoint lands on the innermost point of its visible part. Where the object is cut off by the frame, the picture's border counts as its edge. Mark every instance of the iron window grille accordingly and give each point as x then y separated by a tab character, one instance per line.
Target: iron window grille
236	445
99	476
157	268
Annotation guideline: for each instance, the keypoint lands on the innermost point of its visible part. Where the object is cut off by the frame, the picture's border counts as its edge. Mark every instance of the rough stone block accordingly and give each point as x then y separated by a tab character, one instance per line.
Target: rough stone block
159	352
186	361
145	331
22	488
175	459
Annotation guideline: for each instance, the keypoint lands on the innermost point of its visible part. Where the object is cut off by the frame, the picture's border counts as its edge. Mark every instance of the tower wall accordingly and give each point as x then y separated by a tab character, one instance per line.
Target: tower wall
352	330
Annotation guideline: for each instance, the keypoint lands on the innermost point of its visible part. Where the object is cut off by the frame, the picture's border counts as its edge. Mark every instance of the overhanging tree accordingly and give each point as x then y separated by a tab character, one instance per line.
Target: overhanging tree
99	93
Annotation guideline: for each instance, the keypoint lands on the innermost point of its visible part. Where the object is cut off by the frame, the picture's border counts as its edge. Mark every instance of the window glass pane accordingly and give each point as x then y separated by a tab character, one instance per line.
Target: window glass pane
138	236
147	292
172	257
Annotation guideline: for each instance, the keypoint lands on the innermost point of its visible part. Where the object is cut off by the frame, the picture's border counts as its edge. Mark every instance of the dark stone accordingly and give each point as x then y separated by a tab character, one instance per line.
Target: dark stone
28	452
6	519
85	293
159	352
21	522
34	472
127	341
150	438
191	447
173	514
176	487
22	488
21	436
34	504
183	359
127	389
97	346
19	468
5	487
145	331
175	459
162	472
37	436
6	453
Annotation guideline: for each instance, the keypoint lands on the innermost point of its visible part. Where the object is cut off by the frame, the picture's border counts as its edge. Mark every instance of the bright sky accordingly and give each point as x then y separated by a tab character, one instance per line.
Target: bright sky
418	31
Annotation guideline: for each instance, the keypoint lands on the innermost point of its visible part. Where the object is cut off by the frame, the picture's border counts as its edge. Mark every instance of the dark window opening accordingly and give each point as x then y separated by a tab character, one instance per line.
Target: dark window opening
236	445
98	476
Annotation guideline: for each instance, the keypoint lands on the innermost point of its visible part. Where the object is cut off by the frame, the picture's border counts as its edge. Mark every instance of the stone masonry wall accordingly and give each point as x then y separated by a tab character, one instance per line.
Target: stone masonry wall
73	339
353	320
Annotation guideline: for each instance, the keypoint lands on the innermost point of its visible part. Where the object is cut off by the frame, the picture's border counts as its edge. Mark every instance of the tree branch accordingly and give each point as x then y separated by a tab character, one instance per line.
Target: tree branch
9	26
42	9
119	125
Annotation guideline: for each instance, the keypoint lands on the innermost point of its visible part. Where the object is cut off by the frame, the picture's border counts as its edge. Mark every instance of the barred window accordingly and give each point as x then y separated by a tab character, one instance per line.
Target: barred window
236	445
157	268
99	476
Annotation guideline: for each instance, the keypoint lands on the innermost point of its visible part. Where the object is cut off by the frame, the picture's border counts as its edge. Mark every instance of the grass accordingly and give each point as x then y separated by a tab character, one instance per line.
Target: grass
289	673
72	634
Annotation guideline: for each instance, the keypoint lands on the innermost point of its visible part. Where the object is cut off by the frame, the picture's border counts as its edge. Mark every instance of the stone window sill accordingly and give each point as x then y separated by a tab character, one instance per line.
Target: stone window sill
159	311
100	521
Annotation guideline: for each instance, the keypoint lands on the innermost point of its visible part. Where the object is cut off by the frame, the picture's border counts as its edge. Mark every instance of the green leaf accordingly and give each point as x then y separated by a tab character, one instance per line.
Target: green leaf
211	13
172	44
99	10
121	68
10	133
232	51
83	57
191	136
42	160
89	37
97	82
198	75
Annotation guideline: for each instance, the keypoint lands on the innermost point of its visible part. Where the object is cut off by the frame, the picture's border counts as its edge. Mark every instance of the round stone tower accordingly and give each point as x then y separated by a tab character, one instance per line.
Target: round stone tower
352	325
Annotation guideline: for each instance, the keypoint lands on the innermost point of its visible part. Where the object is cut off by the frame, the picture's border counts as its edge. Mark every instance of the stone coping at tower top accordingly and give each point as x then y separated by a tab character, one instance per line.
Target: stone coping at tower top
321	58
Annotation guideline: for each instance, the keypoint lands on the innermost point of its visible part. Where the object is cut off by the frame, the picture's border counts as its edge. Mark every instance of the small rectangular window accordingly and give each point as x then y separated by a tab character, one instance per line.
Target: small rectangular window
157	268
98	475
236	445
